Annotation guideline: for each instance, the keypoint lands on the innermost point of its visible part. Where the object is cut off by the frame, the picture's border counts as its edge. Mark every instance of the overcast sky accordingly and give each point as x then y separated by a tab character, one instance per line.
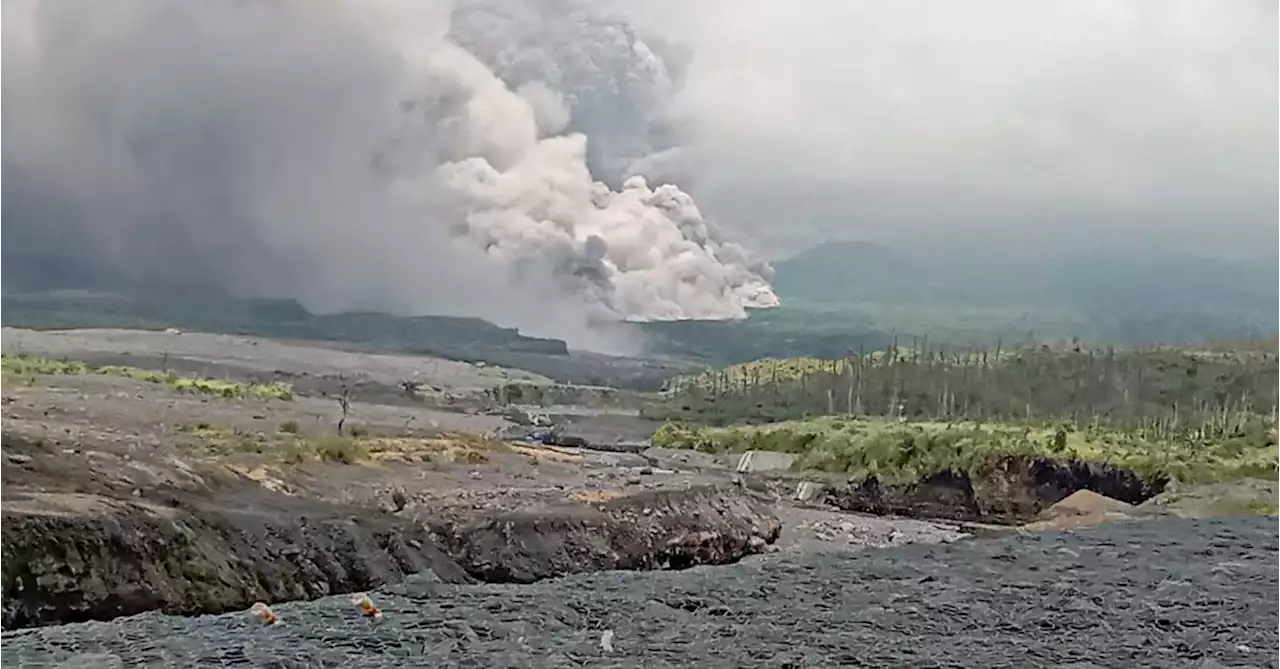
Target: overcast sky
1132	123
380	154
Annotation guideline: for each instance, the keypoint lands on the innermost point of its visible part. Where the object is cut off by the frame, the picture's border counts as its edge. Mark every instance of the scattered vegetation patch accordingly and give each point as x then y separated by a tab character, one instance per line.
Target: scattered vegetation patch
345	450
28	366
461	448
903	452
286	447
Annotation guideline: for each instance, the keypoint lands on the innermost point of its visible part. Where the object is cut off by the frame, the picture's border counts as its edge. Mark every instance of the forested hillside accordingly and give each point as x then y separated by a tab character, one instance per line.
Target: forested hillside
1156	388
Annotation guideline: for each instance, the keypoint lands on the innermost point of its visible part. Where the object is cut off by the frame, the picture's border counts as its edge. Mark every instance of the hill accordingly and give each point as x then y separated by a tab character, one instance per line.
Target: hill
1115	300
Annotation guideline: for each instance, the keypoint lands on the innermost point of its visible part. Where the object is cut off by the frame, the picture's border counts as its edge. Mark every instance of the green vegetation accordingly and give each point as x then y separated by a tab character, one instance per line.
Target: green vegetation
901	452
30	366
1157	392
345	450
288	446
292	447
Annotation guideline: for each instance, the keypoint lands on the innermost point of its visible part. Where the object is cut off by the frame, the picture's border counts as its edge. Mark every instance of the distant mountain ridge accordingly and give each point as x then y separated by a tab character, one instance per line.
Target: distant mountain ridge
1112	298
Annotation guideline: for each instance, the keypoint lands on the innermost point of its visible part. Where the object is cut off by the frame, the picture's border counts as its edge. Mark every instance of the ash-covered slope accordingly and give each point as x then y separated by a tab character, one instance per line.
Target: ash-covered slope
1172	593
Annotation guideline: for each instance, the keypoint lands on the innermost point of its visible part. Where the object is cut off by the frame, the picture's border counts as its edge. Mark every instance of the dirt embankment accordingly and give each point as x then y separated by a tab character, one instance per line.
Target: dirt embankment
71	558
661	529
1010	491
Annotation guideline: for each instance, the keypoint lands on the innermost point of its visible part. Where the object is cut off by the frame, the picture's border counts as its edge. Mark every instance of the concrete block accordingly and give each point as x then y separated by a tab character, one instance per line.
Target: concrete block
764	461
807	491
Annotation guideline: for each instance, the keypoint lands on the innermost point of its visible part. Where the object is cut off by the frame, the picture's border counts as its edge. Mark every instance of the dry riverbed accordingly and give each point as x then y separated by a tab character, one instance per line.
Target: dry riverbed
84	451
127	494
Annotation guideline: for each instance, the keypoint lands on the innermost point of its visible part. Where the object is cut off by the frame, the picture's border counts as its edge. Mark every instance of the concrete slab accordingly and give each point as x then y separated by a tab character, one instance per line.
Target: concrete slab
764	461
807	491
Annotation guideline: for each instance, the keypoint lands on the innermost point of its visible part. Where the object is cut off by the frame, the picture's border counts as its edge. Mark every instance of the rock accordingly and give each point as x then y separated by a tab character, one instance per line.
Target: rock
645	471
808	491
70	558
17	458
683	528
399	500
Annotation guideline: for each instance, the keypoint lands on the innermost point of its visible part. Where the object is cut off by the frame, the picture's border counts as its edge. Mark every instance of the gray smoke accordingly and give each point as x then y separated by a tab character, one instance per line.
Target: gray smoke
617	83
349	154
985	128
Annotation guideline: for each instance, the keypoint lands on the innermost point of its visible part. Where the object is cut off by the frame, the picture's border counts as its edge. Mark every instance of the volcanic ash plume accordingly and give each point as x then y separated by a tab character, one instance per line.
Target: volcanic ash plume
617	81
347	154
525	196
641	253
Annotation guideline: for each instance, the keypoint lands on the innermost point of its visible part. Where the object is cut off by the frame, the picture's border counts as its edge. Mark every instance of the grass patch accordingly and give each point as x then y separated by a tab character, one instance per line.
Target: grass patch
900	452
293	448
29	366
286	448
345	450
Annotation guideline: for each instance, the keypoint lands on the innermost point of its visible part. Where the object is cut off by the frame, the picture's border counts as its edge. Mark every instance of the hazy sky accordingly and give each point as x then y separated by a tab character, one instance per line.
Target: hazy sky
347	154
437	157
992	122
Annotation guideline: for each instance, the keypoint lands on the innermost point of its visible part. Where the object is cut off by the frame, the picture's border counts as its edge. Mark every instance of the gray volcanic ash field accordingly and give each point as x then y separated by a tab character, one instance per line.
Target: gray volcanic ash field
1168	593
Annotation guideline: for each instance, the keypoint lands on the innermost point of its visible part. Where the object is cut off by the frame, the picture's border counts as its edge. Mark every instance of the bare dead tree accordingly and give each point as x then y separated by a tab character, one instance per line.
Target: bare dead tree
344	401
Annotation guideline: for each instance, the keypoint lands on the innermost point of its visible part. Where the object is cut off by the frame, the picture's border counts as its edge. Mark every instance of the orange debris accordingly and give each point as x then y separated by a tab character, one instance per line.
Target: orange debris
367	608
264	614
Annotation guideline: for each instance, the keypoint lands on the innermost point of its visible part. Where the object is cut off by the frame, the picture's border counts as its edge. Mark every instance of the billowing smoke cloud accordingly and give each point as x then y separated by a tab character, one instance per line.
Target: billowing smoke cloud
351	155
616	82
981	128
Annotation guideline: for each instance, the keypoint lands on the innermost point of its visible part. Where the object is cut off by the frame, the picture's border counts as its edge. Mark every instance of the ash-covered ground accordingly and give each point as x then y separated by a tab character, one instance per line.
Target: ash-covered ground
1167	593
1161	593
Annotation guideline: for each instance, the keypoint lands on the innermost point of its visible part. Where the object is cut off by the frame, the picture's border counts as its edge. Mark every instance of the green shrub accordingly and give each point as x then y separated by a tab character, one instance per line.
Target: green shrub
903	451
345	450
29	366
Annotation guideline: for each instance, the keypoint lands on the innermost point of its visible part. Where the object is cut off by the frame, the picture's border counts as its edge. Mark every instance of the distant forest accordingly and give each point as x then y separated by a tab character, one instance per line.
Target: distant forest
1212	389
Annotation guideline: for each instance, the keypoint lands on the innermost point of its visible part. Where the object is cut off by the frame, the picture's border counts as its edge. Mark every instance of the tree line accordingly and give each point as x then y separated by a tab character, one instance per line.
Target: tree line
1157	390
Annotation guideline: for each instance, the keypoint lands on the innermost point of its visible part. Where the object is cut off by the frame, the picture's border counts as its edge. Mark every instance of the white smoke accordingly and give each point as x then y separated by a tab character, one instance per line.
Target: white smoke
349	154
